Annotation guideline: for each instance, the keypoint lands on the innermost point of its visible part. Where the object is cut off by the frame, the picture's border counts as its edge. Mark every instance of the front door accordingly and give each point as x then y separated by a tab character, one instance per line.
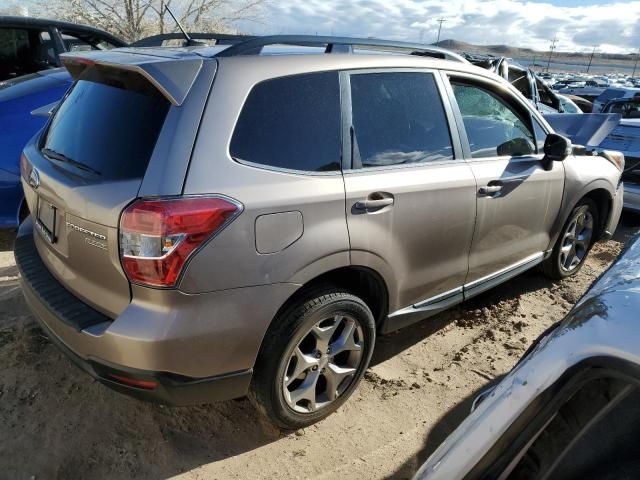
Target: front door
517	199
410	196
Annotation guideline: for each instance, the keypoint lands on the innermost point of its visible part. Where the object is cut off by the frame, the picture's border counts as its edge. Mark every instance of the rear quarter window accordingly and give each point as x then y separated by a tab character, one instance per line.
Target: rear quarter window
291	123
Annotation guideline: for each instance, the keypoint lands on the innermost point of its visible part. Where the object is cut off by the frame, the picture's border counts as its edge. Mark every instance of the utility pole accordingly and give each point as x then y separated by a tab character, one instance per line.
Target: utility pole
551	49
591	58
440	21
633	75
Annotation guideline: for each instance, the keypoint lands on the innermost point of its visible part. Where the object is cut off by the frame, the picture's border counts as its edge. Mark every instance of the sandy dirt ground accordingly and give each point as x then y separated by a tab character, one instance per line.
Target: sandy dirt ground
57	422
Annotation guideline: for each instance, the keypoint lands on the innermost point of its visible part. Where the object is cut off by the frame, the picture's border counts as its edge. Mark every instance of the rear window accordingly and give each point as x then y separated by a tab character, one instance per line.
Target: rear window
108	125
291	123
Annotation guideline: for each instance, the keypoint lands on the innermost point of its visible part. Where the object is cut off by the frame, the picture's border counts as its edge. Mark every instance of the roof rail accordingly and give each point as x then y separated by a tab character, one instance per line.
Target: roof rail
255	45
220	38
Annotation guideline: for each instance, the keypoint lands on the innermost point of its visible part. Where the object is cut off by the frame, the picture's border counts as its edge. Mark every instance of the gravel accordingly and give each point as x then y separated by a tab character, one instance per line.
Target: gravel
56	422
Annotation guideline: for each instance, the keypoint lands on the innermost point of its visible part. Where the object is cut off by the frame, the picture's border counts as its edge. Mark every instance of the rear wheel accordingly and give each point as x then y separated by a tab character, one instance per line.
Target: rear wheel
313	358
574	243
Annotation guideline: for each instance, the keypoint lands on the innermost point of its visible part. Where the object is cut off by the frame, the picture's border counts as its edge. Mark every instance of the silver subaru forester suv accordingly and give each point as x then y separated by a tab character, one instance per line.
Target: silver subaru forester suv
213	222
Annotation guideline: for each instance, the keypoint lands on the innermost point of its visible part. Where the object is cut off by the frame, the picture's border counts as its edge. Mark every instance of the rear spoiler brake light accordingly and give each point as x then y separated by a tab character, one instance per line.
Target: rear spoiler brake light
173	78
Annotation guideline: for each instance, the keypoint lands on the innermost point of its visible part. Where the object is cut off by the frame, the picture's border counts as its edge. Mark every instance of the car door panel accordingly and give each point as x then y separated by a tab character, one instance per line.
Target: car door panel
516	222
416	216
427	232
517	199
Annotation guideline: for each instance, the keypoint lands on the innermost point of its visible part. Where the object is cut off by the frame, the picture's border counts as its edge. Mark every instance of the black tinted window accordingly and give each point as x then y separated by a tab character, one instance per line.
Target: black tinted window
291	122
110	129
398	118
493	127
24	51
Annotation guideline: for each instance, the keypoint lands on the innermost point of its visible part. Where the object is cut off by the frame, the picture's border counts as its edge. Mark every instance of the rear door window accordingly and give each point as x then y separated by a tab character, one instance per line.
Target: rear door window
398	118
291	123
107	125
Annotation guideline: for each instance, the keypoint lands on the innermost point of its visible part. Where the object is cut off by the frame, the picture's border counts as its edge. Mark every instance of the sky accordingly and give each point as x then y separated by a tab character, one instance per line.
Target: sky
577	24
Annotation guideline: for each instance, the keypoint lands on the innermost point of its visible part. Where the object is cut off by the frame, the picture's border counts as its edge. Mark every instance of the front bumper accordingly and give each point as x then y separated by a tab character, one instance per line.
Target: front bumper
196	348
616	211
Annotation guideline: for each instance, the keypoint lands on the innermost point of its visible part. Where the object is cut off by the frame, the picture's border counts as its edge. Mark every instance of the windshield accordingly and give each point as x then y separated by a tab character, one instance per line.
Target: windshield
107	130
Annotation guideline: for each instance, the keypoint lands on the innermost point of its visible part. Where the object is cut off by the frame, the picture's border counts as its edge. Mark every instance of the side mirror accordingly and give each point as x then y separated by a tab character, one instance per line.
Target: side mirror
516	147
556	148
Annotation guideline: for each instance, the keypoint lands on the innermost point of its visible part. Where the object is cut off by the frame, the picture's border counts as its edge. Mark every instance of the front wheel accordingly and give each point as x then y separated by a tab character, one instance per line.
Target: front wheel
312	358
574	243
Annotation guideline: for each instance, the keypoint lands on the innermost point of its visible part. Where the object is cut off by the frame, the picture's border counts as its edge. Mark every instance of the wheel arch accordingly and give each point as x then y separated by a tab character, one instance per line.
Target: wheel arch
603	200
601	193
361	281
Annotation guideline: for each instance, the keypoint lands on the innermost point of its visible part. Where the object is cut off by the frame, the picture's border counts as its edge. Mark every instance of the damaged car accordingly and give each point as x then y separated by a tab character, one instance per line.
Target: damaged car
625	137
523	79
153	260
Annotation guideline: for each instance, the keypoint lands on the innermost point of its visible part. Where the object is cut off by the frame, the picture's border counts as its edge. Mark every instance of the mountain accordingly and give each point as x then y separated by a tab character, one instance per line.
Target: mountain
516	52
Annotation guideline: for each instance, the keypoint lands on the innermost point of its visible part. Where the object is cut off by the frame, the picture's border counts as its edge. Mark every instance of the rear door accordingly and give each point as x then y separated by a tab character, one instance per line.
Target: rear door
410	195
517	199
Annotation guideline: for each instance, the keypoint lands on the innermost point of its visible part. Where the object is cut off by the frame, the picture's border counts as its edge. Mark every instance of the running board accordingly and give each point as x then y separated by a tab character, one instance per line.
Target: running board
434	305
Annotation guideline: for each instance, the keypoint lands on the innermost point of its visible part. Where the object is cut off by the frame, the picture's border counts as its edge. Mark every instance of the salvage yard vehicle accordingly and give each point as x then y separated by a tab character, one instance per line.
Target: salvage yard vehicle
29	45
234	222
626	139
20	101
614	93
570	408
524	79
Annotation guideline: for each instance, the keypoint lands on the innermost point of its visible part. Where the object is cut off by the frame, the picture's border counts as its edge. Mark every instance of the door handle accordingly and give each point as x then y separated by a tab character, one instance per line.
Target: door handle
373	204
489	189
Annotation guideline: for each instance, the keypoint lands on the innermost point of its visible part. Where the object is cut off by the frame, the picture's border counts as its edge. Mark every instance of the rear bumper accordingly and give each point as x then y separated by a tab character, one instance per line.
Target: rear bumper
170	389
197	348
616	211
632	196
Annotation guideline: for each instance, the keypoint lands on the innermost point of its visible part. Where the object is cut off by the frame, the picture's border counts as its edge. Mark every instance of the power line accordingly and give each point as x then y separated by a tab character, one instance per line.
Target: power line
440	21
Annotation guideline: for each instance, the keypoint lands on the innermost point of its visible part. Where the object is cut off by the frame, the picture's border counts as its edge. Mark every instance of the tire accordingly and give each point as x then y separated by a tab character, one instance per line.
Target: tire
560	265
290	359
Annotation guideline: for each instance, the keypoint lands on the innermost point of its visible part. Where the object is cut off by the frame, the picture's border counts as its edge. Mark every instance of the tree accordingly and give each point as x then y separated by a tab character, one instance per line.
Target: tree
134	19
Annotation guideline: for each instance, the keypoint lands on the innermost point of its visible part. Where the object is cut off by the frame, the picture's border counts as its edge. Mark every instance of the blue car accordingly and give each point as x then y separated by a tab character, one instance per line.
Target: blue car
18	98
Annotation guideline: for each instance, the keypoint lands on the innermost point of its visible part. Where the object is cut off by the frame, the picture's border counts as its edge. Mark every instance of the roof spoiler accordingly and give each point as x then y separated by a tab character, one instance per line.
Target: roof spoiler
172	77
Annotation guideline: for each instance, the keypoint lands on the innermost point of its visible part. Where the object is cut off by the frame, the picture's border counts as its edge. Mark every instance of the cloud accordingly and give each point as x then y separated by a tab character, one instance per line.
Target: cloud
615	27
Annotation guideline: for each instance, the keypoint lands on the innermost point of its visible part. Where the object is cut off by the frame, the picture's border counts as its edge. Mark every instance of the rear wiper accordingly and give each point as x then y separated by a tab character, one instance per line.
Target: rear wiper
63	158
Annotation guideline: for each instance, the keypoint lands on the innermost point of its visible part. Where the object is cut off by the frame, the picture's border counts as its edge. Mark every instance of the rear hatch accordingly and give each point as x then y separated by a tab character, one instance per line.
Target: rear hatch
88	165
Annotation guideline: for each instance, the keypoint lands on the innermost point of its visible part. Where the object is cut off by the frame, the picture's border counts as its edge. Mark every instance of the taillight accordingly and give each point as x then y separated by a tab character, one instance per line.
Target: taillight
158	236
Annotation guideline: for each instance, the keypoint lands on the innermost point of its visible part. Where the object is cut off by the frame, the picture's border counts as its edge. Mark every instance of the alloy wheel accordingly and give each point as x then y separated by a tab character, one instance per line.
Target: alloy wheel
576	241
323	364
